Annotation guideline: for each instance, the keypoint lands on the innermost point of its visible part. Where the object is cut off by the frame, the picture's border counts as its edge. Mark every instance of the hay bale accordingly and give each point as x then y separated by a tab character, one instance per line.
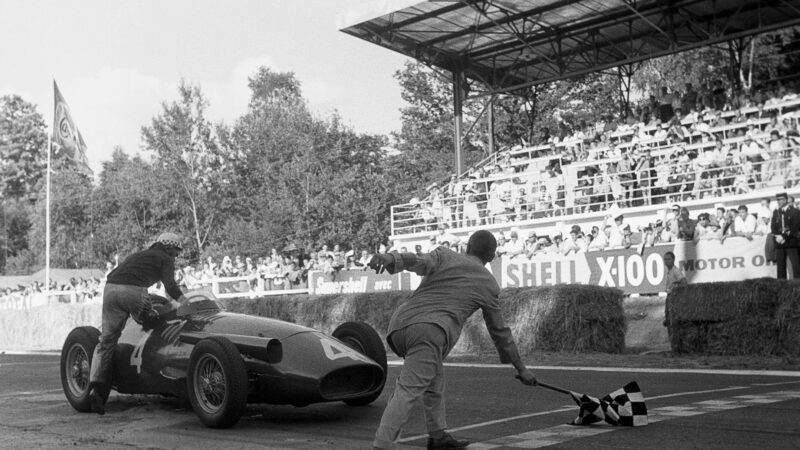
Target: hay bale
751	317
571	318
574	318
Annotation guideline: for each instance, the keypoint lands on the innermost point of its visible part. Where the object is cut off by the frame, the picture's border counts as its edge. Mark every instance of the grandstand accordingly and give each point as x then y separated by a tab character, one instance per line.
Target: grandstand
494	47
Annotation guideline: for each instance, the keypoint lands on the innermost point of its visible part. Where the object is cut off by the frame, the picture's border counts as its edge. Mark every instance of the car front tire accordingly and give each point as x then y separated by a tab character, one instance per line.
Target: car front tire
217	382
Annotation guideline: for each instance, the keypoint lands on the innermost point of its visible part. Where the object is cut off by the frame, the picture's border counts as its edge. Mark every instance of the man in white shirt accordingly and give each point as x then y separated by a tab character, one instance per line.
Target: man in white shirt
615	230
744	225
515	247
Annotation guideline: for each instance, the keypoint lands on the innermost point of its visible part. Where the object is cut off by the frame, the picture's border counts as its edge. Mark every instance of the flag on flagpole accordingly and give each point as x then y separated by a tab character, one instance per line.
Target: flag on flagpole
66	135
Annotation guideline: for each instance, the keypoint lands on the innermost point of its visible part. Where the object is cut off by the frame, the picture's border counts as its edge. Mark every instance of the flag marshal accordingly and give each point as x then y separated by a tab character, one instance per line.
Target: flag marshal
66	134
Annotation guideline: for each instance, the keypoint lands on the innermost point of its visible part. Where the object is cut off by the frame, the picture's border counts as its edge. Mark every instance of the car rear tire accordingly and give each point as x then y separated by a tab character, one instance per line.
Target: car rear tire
361	337
217	382
76	363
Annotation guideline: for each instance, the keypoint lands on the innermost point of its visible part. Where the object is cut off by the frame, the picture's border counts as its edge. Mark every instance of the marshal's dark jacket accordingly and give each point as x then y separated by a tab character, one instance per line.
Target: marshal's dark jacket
786	222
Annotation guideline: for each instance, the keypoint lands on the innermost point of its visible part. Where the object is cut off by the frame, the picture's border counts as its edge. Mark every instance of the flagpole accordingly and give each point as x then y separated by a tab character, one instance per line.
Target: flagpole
47	225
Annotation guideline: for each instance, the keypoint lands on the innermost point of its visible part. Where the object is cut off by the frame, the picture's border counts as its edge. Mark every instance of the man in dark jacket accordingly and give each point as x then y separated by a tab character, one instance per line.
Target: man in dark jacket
785	227
126	294
424	329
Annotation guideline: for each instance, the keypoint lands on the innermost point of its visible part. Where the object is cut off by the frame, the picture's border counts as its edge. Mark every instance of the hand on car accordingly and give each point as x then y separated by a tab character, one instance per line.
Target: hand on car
779	239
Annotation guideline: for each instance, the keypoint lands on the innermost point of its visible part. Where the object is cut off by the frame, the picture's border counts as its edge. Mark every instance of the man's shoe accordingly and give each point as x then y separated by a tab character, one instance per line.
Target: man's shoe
97	402
446	442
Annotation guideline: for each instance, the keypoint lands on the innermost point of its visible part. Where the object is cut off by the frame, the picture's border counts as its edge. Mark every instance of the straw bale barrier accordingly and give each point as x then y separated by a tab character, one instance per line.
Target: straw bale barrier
573	318
751	317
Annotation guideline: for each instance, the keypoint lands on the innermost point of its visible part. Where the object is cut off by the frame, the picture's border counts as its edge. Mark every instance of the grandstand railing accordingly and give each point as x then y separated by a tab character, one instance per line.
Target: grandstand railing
552	197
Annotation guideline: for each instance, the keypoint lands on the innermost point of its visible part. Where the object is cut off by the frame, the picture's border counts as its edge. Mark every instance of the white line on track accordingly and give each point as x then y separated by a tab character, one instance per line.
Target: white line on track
493	422
773	373
29	363
14	394
20	352
571	408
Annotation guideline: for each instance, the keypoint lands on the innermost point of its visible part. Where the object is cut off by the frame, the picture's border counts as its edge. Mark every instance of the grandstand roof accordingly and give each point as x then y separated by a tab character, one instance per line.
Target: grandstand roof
508	44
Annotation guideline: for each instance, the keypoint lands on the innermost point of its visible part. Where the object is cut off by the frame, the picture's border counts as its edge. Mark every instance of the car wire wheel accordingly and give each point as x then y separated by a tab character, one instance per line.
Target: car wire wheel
209	383
217	382
78	367
76	364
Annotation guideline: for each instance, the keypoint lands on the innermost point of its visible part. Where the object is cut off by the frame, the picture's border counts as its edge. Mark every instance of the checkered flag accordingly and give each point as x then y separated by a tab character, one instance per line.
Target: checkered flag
625	406
591	410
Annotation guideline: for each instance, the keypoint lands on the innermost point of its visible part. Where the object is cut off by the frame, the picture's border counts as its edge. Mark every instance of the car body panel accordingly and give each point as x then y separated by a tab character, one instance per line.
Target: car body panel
286	363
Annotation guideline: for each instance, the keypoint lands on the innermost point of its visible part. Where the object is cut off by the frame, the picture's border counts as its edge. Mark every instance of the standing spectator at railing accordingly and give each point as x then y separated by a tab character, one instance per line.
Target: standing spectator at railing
785	227
704	230
615	224
577	242
689	99
598	240
500	251
532	245
238	266
775	163
642	169
583	195
626	177
752	151
338	257
744	225
471	213
514	247
363	260
763	223
665	110
685	226
662	234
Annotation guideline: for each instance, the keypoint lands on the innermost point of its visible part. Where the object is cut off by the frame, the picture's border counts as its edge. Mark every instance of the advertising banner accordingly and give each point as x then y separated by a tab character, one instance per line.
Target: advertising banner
637	270
634	270
355	282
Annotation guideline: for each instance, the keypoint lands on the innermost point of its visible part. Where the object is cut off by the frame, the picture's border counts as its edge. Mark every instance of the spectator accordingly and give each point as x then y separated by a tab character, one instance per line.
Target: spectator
338	257
674	275
364	259
704	230
785	227
599	240
576	242
615	233
685	226
744	224
471	212
514	248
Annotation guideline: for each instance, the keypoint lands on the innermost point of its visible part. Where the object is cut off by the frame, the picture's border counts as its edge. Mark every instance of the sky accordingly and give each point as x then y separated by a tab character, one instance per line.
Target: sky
115	62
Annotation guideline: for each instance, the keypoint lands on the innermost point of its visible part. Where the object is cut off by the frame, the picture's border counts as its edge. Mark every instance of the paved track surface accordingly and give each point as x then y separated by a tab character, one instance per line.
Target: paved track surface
725	410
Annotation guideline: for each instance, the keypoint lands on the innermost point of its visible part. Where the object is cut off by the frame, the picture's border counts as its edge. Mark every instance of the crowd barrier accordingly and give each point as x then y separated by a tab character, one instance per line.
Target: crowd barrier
636	270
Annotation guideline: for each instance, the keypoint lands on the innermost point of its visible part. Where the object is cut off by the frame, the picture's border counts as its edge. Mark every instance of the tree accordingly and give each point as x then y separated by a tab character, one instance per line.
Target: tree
23	139
124	207
195	164
70	222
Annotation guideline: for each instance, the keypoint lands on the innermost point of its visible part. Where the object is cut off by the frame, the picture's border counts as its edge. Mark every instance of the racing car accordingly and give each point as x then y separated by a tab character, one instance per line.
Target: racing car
220	361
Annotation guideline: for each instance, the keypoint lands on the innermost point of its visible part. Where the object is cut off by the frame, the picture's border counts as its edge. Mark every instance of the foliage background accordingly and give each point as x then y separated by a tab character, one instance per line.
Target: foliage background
281	175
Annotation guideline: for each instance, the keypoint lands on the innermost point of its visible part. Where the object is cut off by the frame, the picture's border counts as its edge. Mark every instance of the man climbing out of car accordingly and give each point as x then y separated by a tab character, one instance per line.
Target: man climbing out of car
425	328
126	294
